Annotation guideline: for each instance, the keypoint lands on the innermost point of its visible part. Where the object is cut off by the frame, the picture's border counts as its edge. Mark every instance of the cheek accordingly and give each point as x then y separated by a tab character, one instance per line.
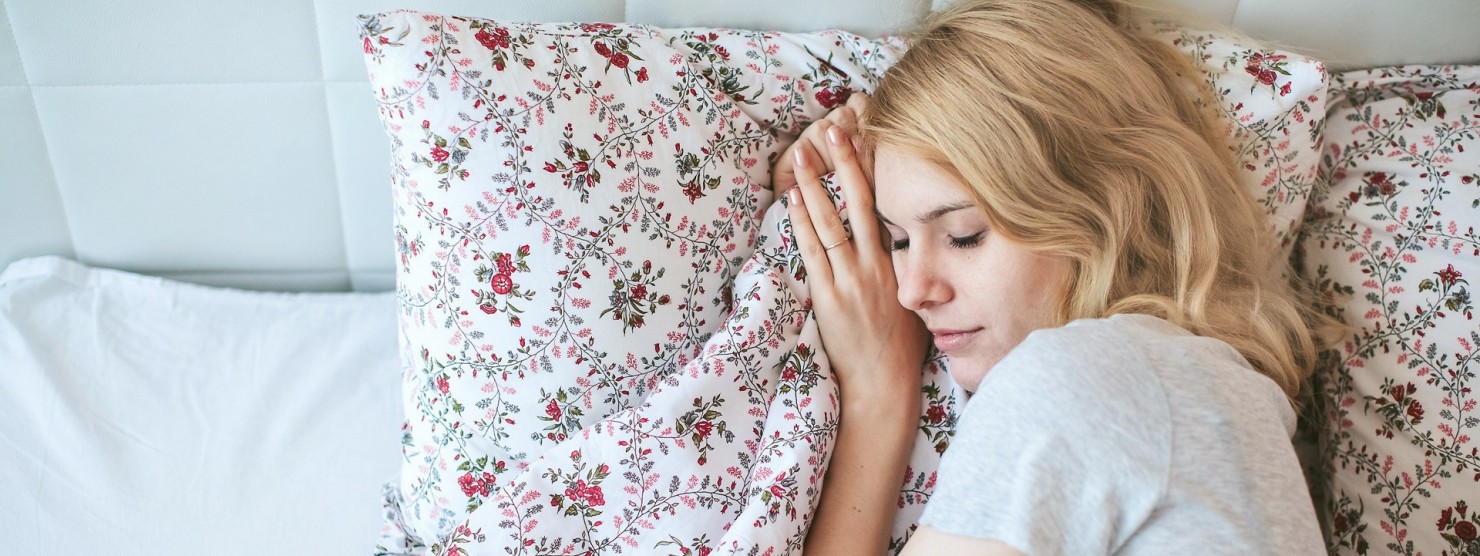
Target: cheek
1015	293
1049	279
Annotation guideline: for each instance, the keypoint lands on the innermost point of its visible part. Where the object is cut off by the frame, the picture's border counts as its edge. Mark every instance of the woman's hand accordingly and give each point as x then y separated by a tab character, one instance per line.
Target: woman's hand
876	346
783	173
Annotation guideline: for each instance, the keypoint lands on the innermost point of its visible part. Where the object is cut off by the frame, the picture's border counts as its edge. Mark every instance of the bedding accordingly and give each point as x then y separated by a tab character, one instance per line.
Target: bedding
147	416
595	356
81	182
572	210
1274	106
1392	248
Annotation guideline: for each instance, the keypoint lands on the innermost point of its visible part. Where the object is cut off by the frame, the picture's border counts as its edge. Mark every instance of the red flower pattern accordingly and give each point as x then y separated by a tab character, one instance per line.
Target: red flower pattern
1449	276
831	97
1465	530
590	495
501	284
1387	248
498	39
936	414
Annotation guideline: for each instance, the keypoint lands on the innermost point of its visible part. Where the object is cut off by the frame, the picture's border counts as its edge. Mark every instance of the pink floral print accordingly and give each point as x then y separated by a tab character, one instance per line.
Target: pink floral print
576	208
1392	247
1274	104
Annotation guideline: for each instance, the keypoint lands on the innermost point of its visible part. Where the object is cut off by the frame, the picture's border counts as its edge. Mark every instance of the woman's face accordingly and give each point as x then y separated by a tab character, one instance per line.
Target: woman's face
978	293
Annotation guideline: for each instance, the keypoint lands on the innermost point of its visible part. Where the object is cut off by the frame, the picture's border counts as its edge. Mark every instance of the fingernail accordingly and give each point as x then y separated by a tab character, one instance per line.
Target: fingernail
793	196
835	134
800	158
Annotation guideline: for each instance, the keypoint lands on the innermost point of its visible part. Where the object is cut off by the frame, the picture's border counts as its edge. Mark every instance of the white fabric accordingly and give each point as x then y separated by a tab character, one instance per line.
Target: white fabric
144	416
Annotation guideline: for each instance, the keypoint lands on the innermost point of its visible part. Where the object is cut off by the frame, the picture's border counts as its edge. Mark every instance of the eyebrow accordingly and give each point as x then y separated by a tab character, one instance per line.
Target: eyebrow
932	215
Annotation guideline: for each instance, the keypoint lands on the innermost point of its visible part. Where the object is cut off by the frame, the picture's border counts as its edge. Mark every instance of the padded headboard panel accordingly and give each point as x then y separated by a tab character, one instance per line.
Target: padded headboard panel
236	143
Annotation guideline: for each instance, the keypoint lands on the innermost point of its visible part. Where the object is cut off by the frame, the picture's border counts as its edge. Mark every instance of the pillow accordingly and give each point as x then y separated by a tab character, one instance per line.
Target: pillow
1274	105
1393	249
147	416
726	455
573	204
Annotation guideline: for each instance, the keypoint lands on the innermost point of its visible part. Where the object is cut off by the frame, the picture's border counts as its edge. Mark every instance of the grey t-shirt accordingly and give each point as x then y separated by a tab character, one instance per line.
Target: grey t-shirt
1126	435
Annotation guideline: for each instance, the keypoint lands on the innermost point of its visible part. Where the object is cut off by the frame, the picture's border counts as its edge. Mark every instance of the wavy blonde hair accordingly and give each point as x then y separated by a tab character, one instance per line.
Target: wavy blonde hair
1079	137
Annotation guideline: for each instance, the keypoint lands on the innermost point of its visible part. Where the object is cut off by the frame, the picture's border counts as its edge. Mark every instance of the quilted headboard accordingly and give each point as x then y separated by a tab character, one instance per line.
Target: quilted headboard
236	143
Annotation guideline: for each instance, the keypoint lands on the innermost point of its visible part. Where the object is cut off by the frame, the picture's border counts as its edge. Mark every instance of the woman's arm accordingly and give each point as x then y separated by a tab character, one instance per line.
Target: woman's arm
875	347
860	494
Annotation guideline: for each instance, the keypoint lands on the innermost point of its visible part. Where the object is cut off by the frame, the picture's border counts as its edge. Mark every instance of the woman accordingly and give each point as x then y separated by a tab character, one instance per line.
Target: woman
1066	225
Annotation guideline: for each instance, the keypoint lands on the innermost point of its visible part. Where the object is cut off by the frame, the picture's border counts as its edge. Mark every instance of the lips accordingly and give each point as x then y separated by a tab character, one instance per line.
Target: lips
948	340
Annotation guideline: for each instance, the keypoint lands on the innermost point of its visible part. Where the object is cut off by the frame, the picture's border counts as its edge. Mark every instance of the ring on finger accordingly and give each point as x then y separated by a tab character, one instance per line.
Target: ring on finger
836	243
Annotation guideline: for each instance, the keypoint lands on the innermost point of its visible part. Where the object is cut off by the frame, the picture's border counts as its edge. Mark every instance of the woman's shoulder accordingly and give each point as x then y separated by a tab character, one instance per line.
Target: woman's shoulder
1077	378
1124	364
1114	348
1142	358
1129	343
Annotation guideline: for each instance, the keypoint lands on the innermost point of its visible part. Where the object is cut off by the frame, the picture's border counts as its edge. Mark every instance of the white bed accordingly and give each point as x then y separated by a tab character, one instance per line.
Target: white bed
204	147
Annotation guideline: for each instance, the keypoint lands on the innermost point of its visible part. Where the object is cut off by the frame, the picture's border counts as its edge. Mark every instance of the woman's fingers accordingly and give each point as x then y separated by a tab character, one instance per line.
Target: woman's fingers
816	134
814	256
824	214
860	198
816	138
858	103
783	175
845	117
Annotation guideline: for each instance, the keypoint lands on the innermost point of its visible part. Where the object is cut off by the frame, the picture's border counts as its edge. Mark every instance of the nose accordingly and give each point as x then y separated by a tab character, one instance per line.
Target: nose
922	284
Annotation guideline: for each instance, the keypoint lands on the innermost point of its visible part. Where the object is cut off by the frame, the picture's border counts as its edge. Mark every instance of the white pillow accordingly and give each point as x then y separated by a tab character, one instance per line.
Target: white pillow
145	416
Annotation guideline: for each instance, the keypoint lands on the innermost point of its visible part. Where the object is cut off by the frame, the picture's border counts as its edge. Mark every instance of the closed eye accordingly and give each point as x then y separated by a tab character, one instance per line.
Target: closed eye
966	242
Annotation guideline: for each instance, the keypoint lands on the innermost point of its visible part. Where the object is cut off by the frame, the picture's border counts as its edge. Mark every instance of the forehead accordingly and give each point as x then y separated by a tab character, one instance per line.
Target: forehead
907	185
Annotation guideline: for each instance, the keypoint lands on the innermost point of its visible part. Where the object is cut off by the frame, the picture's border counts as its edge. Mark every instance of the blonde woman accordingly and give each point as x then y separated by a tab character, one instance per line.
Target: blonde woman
1050	208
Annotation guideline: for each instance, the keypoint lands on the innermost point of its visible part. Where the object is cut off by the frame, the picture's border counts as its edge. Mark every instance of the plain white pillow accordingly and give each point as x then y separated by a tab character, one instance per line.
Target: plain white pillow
144	416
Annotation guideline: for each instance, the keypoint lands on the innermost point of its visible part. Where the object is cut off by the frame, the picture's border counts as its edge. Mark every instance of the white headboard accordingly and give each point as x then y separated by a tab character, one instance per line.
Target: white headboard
236	143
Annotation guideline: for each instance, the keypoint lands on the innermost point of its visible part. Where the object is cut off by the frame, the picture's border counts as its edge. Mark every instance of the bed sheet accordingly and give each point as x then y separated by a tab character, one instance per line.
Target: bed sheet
140	415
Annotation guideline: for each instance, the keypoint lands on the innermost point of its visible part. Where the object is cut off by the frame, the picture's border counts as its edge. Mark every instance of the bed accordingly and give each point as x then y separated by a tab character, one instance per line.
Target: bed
199	348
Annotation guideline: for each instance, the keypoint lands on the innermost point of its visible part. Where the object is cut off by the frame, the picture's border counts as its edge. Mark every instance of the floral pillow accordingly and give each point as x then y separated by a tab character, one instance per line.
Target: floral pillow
727	455
1392	246
574	206
1274	104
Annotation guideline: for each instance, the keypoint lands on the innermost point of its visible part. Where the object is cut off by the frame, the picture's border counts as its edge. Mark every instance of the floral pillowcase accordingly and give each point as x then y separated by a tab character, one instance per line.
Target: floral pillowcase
1392	246
573	205
603	343
1274	104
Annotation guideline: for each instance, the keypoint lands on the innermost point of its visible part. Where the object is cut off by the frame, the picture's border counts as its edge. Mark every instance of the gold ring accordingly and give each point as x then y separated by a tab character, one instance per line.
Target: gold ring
837	243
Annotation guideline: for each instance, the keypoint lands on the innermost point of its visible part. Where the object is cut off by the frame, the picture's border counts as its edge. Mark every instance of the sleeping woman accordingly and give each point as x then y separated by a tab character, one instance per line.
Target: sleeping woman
1034	189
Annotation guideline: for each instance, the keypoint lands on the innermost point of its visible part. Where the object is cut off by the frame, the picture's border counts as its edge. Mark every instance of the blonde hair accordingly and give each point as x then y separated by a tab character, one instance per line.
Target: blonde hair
1081	138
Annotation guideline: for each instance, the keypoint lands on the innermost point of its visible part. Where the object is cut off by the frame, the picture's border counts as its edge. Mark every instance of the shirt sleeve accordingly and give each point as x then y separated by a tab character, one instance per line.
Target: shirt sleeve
1064	449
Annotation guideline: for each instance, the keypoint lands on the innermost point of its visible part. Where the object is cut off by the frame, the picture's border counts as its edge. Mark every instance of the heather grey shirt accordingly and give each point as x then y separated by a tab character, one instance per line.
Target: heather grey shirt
1126	435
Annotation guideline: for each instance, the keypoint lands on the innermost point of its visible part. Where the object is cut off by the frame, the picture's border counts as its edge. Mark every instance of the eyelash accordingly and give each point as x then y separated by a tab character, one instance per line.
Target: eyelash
957	242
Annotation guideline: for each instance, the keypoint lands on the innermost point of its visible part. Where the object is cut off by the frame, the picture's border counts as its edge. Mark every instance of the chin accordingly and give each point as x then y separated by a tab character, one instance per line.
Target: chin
969	370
